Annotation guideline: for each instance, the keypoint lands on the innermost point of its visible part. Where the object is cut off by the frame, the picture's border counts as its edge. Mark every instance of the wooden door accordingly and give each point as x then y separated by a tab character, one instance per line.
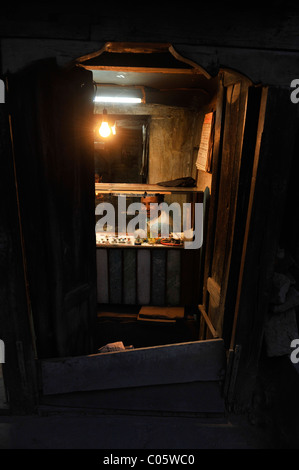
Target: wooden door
52	132
237	116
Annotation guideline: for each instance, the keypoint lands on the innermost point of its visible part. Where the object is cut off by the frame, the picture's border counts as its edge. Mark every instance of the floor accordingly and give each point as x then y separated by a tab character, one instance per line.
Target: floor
126	430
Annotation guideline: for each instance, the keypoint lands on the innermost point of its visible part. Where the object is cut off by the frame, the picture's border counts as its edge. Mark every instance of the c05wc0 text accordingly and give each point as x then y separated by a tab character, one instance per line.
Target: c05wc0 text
151	459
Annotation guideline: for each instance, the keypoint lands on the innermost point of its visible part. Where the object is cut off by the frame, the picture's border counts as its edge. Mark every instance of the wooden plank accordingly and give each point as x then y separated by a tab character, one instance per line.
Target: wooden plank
129	276
208	322
194	397
212	204
115	276
143	69
235	118
148	188
143	276
178	363
161	313
102	276
214	290
173	281
158	277
257	98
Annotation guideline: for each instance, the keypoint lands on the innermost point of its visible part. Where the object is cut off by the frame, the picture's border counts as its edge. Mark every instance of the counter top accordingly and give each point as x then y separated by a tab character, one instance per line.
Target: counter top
139	189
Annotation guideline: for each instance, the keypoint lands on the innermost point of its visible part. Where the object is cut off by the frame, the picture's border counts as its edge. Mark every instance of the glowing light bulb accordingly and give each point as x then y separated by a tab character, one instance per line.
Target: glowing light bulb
105	130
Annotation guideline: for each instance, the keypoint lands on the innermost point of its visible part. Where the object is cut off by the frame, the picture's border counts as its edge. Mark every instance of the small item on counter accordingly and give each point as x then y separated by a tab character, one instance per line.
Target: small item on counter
171	242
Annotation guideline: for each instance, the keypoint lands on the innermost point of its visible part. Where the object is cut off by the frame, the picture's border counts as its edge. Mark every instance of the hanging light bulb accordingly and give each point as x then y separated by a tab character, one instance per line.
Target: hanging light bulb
104	130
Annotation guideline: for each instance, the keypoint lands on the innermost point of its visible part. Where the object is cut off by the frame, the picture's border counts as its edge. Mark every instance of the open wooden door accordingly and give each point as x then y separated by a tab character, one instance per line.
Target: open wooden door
237	117
51	112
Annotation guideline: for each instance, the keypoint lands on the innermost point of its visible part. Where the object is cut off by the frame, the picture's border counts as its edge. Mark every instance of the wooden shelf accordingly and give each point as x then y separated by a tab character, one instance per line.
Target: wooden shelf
132	188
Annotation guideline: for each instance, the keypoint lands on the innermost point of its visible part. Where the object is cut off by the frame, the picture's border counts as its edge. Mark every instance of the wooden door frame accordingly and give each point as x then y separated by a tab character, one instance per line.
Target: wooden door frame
18	328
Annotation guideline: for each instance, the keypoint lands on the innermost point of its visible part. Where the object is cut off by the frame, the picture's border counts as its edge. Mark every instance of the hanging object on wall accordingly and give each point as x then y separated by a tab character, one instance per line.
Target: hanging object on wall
105	129
204	156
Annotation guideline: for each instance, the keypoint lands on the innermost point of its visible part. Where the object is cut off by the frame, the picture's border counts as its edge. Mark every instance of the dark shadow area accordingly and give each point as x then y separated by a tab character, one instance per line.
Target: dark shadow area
121	323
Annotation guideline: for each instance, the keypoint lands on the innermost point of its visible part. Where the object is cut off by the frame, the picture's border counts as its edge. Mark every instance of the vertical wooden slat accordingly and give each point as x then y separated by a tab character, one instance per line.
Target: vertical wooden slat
173	284
158	277
143	277
115	276
129	276
102	276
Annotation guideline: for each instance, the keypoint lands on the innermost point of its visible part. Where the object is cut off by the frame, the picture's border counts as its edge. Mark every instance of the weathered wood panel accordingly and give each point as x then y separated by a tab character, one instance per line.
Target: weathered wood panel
144	276
173	286
15	316
178	363
231	154
102	276
257	97
115	276
129	277
158	274
277	138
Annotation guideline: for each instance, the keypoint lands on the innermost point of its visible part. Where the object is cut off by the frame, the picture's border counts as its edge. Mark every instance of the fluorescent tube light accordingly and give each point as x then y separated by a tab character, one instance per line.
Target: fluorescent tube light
116	99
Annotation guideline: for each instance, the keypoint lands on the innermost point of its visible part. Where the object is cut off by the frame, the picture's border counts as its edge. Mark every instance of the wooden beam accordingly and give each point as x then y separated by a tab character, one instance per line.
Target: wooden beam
208	321
143	48
137	48
142	69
